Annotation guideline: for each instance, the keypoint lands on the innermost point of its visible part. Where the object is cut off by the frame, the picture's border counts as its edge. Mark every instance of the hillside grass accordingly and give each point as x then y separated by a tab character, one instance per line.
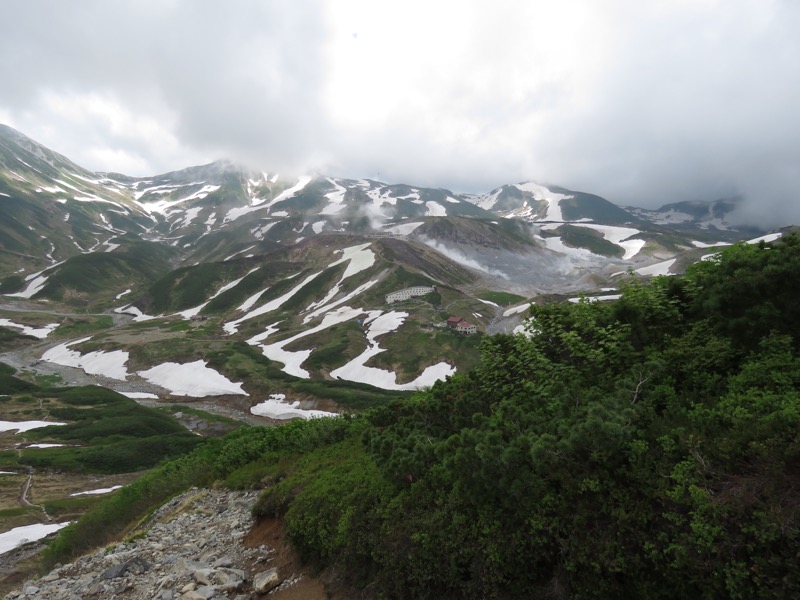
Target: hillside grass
75	327
414	347
89	279
245	362
500	298
106	432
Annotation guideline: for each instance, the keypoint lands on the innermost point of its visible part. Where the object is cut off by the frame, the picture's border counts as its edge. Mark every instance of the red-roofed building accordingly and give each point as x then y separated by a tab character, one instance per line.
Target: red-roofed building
452	322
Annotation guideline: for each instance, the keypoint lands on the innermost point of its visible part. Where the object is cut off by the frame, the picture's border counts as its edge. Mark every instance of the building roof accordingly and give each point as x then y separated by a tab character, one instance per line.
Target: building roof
455	320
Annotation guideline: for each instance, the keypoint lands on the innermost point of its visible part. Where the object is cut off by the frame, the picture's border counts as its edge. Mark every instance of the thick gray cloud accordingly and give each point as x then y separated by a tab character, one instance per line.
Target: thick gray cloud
642	102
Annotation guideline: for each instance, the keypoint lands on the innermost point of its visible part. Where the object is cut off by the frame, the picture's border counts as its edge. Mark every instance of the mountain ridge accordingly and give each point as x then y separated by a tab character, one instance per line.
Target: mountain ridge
270	281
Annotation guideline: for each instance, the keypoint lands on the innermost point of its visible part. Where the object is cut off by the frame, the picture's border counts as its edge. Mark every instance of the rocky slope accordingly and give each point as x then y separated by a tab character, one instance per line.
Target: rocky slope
200	545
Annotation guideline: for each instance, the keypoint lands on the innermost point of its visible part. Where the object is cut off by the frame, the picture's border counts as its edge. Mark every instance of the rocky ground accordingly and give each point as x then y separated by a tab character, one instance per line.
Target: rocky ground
201	545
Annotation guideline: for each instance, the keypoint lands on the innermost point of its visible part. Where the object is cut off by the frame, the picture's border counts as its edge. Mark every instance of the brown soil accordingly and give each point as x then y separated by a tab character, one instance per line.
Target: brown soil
312	585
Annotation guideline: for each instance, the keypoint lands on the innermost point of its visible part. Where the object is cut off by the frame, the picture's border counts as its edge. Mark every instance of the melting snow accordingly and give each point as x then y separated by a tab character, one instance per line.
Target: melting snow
191	379
276	408
605	298
37	332
232	326
138	315
109	364
293	360
326	307
191	312
34	287
318	226
557	245
356	369
235	213
616	235
161	206
121	294
434	209
286	194
139	395
661	268
27	533
45	446
98	491
770	237
403	228
697	244
189	216
553	199
360	259
23	426
335	199
516	309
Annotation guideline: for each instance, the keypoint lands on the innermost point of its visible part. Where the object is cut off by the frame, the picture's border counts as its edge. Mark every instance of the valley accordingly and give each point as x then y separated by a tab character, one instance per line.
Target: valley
217	296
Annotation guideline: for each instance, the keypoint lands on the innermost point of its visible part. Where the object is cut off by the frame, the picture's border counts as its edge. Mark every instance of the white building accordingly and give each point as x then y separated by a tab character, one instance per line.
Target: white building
419	290
466	328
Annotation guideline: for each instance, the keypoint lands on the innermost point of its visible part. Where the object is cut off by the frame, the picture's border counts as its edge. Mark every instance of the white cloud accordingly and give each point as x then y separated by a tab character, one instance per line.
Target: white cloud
643	102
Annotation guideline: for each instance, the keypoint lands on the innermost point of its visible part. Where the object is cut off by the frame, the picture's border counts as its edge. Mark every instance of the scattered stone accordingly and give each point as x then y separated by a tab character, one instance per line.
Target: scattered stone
266	581
193	550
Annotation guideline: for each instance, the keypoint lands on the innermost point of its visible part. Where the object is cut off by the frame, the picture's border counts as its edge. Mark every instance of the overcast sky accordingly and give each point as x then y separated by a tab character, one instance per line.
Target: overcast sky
641	101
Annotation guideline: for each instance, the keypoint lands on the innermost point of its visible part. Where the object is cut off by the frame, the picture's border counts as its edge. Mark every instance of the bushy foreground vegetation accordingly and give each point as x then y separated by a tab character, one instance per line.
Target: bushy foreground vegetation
646	448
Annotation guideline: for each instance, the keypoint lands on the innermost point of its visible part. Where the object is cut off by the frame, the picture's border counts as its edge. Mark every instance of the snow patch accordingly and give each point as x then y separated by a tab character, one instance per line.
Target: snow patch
516	309
434	209
23	426
293	360
97	491
286	194
34	287
37	332
403	228
138	315
356	369
232	326
553	199
276	408
697	244
661	268
619	236
191	379
605	298
770	237
191	312
108	364
139	395
27	533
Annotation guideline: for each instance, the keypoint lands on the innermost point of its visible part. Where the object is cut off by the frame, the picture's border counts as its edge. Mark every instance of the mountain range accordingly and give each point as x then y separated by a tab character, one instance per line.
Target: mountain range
242	255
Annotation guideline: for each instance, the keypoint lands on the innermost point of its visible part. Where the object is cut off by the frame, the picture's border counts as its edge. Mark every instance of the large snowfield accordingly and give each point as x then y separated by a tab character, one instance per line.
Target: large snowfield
27	533
191	379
